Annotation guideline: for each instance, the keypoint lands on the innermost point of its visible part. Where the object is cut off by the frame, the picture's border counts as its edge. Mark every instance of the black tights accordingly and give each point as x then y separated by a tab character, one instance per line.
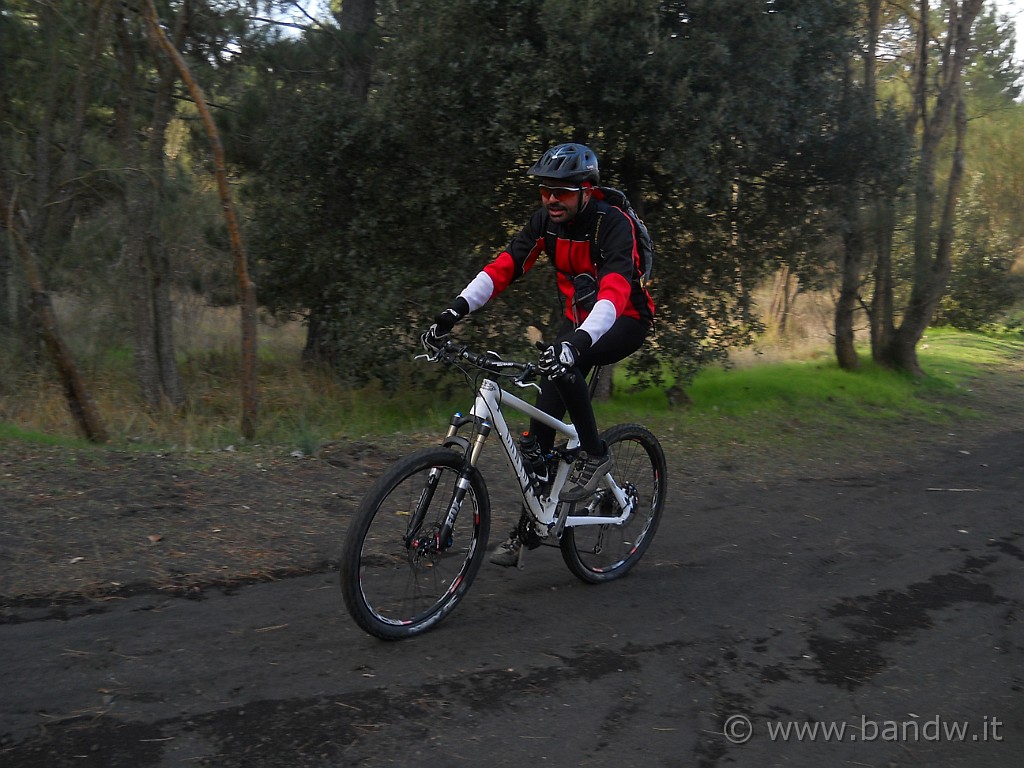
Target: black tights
622	339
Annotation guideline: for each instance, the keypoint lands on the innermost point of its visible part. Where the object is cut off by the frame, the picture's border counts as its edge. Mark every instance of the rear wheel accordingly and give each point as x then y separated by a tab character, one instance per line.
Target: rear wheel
399	574
600	553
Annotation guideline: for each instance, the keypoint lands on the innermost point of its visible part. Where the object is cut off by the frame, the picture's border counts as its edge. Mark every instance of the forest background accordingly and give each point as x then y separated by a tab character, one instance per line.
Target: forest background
374	154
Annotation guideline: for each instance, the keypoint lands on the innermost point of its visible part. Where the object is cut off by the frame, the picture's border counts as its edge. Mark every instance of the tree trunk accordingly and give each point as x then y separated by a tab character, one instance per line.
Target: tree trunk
56	153
933	249
163	305
64	192
134	257
246	288
8	301
43	221
83	409
356	20
317	349
882	327
784	295
856	233
849	286
143	252
134	194
76	393
163	326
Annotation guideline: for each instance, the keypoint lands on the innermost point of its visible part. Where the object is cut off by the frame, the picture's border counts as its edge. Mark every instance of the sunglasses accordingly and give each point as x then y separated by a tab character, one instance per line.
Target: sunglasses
559	193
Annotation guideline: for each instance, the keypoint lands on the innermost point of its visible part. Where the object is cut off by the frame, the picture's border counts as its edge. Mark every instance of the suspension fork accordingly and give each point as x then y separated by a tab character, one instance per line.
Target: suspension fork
472	451
422	505
462	485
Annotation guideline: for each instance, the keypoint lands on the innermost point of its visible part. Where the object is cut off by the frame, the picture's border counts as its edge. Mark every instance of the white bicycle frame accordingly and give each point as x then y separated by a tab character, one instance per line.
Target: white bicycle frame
489	401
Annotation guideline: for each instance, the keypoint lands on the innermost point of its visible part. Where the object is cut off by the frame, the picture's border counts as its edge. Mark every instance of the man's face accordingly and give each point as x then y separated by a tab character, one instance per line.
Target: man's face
562	199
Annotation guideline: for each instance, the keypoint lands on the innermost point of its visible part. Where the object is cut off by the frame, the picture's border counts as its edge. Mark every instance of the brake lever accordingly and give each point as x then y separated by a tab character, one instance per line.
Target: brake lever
519	380
433	354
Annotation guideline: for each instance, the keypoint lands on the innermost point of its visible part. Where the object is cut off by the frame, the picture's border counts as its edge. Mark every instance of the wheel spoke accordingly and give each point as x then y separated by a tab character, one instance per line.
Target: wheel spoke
397	578
602	553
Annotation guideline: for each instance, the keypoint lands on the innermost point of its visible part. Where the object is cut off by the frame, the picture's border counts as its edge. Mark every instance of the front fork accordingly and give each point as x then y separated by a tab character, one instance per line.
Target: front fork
442	539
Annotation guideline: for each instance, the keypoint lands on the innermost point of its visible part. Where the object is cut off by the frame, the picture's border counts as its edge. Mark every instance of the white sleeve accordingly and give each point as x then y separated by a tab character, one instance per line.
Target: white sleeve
600	319
478	292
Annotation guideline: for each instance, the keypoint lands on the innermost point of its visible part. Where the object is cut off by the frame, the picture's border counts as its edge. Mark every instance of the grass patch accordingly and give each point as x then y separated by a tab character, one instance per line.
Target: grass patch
803	388
813	388
13	433
947	352
814	411
800	401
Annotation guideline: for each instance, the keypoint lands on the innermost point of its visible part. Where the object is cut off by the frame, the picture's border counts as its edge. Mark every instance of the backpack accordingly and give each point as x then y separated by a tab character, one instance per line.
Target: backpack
644	244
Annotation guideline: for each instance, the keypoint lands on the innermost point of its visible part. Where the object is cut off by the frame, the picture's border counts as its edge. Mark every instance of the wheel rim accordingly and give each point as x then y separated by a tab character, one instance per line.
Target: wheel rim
403	585
606	548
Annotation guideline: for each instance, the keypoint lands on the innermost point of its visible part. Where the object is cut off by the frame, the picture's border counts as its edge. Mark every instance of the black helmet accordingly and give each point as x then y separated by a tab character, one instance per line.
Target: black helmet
569	162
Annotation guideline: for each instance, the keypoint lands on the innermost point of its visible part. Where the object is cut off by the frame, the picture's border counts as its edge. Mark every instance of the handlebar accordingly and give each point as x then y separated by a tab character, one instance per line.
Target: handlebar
449	351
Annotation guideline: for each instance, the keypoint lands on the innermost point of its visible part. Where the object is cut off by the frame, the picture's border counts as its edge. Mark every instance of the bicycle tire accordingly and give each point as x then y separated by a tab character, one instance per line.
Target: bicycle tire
391	589
600	553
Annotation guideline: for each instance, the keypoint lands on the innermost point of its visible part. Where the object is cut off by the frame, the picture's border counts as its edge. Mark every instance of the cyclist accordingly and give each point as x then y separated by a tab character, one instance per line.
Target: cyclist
608	312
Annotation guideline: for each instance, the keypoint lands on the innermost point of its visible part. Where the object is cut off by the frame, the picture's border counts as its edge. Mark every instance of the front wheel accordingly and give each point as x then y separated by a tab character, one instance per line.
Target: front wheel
600	553
401	571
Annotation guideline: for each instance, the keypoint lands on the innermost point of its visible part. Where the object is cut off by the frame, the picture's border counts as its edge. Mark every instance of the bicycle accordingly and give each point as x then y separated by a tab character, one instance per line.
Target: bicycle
419	535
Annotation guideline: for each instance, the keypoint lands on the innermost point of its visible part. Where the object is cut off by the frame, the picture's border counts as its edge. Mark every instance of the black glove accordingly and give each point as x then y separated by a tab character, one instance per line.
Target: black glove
556	359
446	320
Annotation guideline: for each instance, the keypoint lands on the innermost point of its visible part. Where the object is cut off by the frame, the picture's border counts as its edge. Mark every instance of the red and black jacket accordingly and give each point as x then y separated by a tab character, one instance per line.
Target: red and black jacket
599	241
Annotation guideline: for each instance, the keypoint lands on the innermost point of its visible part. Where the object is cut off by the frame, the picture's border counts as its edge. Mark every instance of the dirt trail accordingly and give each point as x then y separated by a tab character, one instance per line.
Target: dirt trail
176	610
